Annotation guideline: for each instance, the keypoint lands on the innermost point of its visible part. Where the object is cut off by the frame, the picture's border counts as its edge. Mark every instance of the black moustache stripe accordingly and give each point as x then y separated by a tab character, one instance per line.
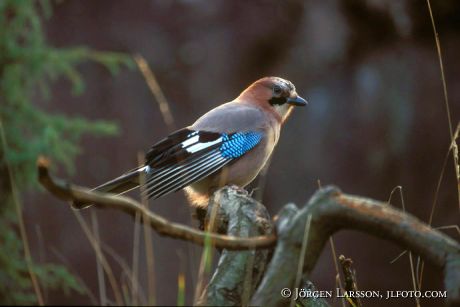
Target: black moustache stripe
277	101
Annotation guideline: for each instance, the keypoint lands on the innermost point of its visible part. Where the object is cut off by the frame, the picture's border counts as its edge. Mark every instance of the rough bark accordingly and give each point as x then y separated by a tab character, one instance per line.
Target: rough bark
349	277
73	193
248	227
238	272
331	211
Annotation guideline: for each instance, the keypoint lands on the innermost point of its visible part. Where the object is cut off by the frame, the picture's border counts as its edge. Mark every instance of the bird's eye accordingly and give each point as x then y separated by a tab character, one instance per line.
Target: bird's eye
277	91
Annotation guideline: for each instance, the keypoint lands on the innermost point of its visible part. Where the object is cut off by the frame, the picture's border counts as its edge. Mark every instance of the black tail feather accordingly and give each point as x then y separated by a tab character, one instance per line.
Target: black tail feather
119	185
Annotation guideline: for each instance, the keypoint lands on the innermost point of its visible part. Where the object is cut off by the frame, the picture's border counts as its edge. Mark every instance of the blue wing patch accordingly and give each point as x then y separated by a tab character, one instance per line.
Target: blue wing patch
187	156
237	144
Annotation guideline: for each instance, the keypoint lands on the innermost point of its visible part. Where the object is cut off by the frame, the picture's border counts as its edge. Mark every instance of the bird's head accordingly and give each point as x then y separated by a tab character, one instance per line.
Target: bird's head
274	94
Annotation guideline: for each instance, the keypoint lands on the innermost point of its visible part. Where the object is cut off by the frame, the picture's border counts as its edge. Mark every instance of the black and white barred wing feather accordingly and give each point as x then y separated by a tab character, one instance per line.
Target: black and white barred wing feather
187	156
184	157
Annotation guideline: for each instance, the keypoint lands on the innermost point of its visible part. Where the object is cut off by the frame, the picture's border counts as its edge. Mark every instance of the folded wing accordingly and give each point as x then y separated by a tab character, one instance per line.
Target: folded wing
187	156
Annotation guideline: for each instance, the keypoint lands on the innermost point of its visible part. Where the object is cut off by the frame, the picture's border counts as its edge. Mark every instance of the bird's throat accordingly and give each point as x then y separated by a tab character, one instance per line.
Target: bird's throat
283	111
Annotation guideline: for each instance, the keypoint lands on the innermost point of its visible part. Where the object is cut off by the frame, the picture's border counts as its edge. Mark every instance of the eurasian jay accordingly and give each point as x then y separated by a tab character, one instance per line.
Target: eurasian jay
229	145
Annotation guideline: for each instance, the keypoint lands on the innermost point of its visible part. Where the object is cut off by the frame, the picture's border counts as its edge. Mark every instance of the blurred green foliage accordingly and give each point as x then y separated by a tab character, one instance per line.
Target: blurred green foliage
28	66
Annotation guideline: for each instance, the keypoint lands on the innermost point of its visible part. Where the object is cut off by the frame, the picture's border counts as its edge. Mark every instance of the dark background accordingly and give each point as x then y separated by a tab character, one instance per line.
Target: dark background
376	118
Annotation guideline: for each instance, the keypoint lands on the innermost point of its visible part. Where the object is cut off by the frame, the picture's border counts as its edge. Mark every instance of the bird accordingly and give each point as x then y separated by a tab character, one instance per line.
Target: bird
229	145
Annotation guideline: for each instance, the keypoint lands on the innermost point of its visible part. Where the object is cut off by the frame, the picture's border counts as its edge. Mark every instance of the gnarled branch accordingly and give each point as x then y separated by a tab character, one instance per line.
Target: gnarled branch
238	272
70	192
331	211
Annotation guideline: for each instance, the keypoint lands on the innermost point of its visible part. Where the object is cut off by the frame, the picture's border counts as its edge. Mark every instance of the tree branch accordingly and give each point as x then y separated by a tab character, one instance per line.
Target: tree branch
332	211
238	272
349	277
70	192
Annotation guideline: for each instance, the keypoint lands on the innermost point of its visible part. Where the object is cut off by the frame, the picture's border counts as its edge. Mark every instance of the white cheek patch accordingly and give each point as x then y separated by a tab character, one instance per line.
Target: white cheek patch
283	110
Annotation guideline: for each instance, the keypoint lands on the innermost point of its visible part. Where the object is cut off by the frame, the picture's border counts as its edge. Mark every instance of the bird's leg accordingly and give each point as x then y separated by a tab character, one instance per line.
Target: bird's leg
200	215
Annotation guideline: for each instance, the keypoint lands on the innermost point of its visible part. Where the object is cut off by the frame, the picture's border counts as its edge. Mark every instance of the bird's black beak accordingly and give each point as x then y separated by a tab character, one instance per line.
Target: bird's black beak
297	101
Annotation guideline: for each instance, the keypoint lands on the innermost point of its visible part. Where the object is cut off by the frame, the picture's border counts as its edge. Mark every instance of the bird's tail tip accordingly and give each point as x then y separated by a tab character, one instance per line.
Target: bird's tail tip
119	185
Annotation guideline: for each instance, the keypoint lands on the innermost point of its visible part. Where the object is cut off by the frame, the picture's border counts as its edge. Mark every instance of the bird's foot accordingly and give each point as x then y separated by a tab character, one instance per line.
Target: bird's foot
239	189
